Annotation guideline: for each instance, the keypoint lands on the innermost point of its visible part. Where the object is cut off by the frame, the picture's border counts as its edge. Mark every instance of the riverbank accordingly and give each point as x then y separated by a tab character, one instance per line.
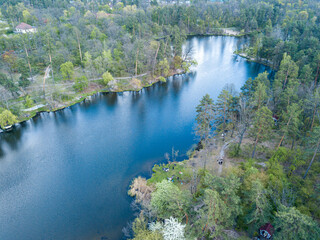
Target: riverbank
120	84
229	32
262	61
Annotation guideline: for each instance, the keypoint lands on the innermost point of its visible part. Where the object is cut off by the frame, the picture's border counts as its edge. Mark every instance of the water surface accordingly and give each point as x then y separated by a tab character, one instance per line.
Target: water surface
65	175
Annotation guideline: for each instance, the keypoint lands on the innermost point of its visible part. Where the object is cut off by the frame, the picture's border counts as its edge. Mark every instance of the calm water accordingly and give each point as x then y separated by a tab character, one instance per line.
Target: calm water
65	175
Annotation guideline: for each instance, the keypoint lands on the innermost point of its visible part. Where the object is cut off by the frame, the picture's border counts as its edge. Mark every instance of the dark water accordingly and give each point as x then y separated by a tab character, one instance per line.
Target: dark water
65	175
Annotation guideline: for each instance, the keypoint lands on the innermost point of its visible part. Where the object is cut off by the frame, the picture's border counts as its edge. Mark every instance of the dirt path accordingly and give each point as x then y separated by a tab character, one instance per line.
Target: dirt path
222	154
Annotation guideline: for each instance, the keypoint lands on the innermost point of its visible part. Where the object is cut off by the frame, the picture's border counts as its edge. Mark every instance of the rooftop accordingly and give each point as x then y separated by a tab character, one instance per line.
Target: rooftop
24	26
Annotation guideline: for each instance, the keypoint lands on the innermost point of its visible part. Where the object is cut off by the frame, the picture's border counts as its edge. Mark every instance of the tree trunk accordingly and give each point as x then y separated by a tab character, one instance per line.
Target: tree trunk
241	138
314	155
186	215
283	134
25	48
317	74
281	141
285	81
80	53
50	58
292	145
314	114
155	59
255	146
233	127
137	61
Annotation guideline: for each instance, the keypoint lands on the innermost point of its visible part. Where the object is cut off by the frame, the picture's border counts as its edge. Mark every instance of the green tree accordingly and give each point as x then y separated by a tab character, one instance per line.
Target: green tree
99	65
88	63
106	78
291	120
260	95
28	102
212	216
66	70
259	209
7	118
205	117
314	141
286	76
7	83
141	231
294	225
222	109
163	68
81	83
27	16
228	188
306	75
168	200
262	126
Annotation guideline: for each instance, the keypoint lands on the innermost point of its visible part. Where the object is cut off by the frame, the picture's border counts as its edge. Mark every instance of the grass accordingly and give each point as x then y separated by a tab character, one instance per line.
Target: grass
174	169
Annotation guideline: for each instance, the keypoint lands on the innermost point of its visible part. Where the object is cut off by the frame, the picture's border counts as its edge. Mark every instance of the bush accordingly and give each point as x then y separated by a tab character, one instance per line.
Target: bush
28	102
81	83
106	78
162	79
234	151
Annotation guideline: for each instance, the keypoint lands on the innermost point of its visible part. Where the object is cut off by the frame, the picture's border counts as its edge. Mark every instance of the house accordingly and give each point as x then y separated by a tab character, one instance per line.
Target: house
266	231
25	28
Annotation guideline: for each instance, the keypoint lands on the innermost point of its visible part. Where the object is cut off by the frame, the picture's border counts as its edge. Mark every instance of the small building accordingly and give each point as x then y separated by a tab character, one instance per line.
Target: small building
266	231
25	28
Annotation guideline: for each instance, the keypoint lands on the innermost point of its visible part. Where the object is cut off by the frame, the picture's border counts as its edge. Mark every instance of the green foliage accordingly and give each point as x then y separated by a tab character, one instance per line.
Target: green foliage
141	232
168	200
262	126
81	83
162	79
7	83
294	225
228	188
176	170
258	206
205	117
107	77
260	95
23	81
66	70
7	118
212	216
28	102
222	109
163	68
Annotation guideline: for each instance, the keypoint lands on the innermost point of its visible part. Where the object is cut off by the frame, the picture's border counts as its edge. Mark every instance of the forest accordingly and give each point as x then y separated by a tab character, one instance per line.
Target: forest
269	131
81	47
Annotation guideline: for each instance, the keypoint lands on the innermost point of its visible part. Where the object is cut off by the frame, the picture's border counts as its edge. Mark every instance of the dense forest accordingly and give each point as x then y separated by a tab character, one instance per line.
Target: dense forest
270	130
80	47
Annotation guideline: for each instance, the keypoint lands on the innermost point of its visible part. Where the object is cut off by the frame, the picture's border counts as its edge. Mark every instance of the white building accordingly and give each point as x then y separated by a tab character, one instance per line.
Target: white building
25	28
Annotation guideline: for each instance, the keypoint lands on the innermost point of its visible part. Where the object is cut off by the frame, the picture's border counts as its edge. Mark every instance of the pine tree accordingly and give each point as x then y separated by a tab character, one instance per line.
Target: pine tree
262	126
260	207
291	122
292	224
204	118
315	143
222	109
212	215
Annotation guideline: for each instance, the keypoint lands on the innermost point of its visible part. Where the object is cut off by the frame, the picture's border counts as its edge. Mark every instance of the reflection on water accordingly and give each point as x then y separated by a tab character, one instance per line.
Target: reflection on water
65	175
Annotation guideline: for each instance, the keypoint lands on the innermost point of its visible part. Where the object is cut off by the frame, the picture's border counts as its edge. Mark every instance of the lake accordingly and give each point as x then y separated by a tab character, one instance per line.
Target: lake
65	175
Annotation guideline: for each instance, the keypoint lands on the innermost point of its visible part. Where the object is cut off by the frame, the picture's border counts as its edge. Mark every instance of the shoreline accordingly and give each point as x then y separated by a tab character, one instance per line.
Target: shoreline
252	59
85	96
151	81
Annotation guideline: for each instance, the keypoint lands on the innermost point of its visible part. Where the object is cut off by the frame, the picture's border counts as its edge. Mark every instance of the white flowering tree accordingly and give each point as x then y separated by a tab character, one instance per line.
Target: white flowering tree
171	229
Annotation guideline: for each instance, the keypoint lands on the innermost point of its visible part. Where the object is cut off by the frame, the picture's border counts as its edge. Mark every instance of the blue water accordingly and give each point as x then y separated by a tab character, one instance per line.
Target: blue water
65	175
